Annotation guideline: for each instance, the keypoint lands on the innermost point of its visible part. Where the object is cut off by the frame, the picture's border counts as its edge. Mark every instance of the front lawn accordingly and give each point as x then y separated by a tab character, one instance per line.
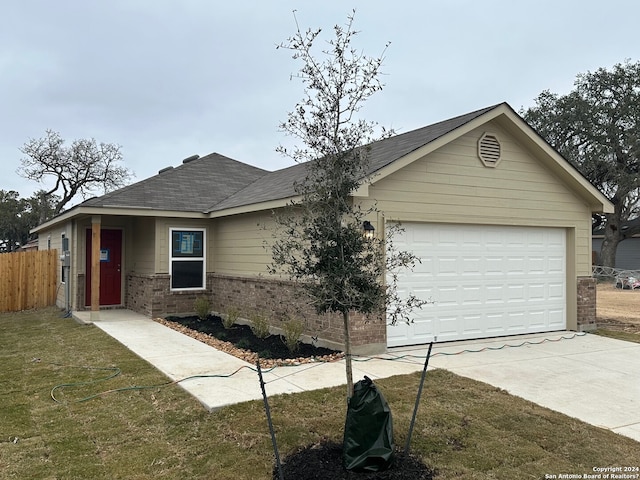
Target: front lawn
465	429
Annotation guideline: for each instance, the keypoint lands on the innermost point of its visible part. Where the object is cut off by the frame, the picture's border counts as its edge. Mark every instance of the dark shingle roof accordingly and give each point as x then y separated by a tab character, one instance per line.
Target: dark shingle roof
280	184
191	187
215	182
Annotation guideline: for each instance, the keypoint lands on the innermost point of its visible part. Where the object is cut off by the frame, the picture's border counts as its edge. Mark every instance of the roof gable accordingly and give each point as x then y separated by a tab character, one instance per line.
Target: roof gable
279	185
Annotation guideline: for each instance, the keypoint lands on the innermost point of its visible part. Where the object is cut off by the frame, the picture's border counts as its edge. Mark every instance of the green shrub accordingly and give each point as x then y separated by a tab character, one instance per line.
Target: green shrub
202	308
292	332
259	325
230	318
243	343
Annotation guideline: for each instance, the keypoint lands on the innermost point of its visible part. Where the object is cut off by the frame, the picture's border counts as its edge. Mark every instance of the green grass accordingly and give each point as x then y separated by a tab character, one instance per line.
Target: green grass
465	429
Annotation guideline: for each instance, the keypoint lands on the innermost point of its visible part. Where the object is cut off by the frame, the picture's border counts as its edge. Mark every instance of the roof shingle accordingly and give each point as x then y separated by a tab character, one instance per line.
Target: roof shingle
191	187
215	182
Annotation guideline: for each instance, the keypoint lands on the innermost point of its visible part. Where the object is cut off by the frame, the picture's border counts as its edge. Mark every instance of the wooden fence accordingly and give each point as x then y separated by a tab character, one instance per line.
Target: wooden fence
28	280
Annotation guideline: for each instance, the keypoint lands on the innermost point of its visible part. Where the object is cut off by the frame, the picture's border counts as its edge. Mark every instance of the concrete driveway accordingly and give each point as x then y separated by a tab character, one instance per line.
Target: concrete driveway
592	378
589	377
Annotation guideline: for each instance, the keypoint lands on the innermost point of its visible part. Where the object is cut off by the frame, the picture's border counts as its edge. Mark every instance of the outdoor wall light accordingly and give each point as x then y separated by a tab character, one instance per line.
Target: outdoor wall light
368	229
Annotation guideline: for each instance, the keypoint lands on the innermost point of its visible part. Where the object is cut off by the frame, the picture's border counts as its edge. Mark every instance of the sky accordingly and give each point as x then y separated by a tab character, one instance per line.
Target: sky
167	79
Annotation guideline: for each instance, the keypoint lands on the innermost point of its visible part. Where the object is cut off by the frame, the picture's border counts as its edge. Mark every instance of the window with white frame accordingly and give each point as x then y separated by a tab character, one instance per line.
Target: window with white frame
187	258
62	268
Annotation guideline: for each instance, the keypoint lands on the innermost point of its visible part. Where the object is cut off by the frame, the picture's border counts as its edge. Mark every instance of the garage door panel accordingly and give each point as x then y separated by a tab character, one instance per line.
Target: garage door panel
538	318
556	291
484	281
537	292
557	319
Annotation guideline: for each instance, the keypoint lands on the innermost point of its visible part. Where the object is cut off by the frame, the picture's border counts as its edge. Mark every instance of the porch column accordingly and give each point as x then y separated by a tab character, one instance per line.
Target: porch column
95	267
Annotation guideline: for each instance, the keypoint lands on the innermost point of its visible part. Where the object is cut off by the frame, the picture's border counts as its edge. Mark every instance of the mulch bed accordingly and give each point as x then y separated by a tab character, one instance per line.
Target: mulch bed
240	342
323	461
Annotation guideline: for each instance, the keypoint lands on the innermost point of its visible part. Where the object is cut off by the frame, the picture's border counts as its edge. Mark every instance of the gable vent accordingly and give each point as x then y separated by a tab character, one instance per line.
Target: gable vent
489	149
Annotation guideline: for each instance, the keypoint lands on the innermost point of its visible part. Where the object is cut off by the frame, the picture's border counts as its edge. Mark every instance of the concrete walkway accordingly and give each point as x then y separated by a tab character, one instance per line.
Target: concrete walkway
592	378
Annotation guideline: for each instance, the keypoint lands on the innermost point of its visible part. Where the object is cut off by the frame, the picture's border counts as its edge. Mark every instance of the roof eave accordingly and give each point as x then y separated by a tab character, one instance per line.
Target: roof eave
81	211
254	207
597	201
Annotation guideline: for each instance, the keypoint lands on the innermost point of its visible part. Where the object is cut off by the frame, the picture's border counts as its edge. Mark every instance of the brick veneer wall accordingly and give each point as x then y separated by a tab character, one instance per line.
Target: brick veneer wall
278	300
586	303
151	296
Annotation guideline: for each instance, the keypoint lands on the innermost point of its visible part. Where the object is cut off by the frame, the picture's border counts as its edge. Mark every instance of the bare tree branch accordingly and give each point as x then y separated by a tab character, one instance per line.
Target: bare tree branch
79	169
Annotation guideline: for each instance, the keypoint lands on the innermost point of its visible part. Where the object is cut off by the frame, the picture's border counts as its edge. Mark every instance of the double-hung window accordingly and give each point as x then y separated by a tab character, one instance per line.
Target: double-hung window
187	258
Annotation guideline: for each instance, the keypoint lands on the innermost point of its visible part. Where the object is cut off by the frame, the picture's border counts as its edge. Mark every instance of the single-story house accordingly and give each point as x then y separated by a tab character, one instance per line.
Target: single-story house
628	251
500	221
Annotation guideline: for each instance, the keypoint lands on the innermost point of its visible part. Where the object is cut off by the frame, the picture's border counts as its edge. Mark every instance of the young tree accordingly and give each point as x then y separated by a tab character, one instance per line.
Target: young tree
320	244
597	128
76	170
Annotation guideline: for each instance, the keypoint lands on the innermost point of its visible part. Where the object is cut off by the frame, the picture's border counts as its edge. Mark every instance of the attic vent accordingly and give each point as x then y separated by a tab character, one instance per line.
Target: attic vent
191	158
166	169
489	149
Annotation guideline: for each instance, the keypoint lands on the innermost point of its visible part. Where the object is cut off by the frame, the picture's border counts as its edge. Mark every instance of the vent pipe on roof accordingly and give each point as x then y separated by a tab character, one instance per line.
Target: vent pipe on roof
166	169
191	158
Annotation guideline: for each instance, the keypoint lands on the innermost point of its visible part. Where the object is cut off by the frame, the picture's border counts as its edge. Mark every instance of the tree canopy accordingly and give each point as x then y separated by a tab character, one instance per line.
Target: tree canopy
596	127
77	169
18	216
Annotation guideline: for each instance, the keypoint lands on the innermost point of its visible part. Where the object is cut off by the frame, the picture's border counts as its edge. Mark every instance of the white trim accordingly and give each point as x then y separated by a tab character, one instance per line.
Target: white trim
202	259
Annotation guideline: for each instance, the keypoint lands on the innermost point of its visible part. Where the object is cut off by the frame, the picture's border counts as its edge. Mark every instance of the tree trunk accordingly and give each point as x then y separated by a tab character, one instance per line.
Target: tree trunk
612	237
347	354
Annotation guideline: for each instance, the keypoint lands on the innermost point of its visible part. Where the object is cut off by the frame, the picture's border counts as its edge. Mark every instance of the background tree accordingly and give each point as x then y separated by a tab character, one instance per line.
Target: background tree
40	207
320	243
79	169
11	228
597	128
18	216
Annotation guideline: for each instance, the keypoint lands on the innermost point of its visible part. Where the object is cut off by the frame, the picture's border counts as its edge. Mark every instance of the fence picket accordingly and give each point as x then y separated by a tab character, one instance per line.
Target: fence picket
28	280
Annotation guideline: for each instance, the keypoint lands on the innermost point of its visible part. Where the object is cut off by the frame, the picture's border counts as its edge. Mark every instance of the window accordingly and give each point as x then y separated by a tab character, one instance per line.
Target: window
65	247
187	259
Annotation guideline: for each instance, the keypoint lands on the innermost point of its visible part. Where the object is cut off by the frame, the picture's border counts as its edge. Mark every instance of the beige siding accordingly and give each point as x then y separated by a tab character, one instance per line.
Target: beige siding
52	240
140	241
452	185
238	244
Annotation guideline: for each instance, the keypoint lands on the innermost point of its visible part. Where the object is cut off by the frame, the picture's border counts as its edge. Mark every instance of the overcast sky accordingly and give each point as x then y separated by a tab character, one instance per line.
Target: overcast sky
169	79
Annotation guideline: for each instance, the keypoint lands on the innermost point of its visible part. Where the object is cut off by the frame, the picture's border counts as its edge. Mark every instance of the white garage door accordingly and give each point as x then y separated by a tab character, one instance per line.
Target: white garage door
485	281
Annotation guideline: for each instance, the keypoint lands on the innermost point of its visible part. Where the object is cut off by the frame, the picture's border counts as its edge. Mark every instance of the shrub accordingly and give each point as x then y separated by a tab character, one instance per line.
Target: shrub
202	308
292	332
259	325
244	344
230	318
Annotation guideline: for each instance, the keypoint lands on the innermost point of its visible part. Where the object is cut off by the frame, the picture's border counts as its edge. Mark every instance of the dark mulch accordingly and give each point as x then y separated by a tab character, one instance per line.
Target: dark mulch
242	337
323	461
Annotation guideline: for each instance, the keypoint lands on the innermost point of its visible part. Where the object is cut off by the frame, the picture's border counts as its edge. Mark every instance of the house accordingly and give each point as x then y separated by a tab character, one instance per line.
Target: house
501	222
30	246
628	251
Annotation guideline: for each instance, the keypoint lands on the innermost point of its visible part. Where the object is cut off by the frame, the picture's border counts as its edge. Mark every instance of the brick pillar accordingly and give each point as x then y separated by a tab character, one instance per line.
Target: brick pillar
586	304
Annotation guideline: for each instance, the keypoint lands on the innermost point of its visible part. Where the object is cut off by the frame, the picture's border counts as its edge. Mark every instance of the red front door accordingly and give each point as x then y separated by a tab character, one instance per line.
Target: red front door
110	265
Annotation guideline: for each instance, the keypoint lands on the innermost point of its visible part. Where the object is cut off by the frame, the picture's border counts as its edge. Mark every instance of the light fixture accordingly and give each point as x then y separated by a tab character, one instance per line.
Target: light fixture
368	229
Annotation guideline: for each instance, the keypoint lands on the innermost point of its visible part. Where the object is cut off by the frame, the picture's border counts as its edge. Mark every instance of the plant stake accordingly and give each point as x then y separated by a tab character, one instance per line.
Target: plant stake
415	410
268	412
